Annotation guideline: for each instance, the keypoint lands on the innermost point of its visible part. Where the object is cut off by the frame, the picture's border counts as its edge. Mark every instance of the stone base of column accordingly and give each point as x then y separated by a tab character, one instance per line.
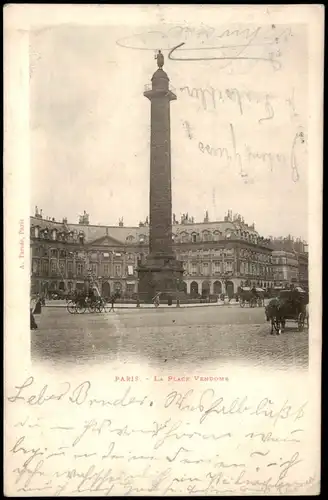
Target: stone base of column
160	274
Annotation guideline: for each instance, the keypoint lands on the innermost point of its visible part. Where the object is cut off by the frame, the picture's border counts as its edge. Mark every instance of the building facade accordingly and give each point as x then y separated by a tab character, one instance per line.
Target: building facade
290	261
218	257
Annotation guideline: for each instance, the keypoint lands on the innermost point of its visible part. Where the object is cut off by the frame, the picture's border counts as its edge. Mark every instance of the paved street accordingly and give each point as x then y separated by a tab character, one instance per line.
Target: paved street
211	335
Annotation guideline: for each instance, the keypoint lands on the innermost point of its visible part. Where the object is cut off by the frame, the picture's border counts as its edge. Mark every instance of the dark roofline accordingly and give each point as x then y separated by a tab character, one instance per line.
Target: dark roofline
137	227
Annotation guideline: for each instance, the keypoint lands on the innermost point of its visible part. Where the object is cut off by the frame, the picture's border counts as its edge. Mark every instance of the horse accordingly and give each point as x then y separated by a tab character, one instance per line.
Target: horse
275	311
281	308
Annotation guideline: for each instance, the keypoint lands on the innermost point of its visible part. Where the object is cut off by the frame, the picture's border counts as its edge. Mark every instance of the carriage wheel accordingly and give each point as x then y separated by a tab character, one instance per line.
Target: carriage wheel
92	308
100	306
80	309
71	307
301	320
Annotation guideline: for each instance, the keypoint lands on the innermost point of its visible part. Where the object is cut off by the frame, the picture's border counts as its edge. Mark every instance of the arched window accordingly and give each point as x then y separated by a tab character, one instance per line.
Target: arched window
194	237
130	238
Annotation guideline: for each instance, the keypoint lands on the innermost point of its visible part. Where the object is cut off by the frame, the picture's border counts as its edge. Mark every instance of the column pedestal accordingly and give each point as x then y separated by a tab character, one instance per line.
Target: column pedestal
160	274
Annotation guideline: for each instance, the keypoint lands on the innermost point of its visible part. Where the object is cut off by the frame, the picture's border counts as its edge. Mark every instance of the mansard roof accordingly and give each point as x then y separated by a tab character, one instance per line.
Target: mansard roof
126	234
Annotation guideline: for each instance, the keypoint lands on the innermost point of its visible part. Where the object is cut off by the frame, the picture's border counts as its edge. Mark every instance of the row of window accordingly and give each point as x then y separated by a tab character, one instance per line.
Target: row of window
261	257
251	268
205	269
218	252
193	268
183	237
283	261
59	268
62	253
106	288
56	235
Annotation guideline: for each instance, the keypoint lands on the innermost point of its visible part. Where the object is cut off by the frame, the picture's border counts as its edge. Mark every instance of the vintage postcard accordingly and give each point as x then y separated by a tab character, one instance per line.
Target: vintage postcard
163	198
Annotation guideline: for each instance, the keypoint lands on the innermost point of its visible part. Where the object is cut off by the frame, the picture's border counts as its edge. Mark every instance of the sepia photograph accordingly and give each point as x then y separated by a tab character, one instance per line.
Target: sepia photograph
168	211
163	228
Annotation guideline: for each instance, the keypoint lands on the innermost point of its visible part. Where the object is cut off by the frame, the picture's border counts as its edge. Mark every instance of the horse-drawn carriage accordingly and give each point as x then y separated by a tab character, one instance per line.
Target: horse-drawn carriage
92	302
251	296
291	305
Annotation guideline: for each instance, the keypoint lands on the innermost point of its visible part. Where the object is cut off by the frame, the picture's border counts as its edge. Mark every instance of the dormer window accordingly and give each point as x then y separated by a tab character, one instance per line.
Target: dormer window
142	238
130	238
194	238
206	236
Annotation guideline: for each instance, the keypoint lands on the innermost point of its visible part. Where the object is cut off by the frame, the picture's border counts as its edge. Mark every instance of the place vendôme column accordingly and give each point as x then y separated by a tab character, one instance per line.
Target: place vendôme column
160	272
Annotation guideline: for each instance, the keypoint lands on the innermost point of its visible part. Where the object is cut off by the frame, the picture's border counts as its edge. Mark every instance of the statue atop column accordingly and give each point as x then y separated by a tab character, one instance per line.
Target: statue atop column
160	59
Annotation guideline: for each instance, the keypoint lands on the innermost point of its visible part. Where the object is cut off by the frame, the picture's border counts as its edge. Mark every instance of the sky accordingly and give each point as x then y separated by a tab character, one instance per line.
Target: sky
238	126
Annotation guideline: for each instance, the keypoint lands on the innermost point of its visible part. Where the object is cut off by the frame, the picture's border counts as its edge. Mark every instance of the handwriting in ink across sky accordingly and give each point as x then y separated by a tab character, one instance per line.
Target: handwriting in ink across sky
250	44
273	111
71	440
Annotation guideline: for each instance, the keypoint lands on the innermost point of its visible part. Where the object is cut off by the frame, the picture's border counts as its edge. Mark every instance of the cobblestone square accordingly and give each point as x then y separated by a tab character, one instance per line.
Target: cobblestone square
185	336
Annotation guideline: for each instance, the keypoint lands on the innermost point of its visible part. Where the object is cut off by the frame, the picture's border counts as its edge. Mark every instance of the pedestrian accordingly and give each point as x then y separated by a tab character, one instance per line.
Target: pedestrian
156	300
33	325
112	300
38	305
